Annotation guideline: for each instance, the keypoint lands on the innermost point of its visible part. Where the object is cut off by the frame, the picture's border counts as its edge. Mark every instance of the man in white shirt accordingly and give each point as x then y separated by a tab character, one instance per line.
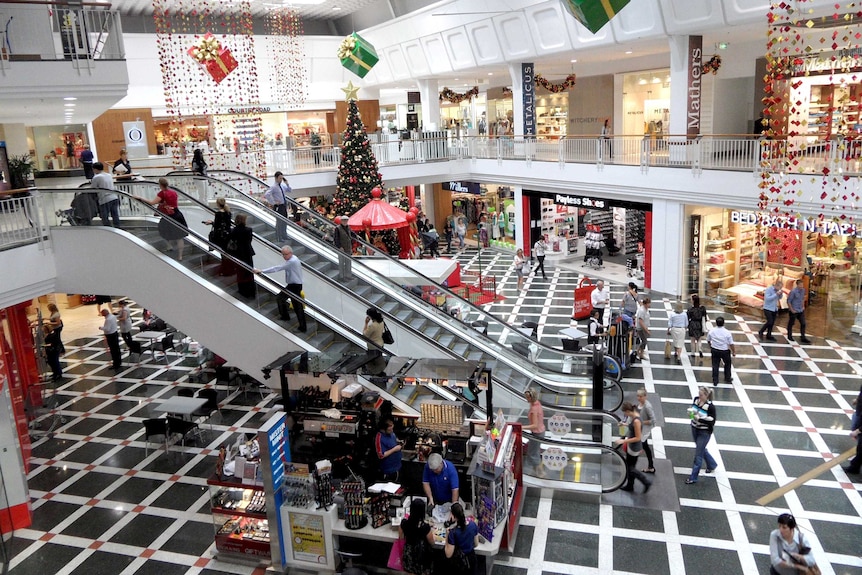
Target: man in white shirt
111	330
600	298
721	347
109	201
539	251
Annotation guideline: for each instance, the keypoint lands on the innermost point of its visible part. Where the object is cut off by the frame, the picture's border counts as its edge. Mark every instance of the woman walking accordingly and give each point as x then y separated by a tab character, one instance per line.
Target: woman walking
536	427
696	320
702	414
520	260
633	442
220	234
677	329
647	424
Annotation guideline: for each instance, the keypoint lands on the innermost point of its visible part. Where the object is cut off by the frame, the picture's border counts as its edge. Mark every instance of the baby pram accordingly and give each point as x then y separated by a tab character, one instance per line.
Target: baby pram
85	206
431	243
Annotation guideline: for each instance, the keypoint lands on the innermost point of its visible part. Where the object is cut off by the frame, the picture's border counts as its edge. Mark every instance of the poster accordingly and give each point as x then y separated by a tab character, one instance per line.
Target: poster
306	535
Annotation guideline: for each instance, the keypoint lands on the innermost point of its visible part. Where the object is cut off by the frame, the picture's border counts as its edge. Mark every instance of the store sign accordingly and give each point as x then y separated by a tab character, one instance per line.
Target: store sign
462	187
815	225
695	61
275	455
307	537
831	63
528	89
135	136
695	239
581	202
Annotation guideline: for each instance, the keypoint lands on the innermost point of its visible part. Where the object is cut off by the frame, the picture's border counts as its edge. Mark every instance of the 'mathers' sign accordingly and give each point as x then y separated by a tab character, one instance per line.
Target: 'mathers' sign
528	88
695	61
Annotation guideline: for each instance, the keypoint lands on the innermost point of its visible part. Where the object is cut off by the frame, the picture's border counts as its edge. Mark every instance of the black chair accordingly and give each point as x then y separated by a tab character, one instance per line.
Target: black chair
156	427
210	407
181	427
163	346
532	325
186	392
571	345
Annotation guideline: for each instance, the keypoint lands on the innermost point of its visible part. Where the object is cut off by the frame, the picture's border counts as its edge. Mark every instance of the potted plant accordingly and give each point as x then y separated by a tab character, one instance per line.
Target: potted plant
20	168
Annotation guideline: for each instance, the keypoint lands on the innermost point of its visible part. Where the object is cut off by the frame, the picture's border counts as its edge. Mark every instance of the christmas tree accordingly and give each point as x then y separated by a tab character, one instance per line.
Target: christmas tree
357	172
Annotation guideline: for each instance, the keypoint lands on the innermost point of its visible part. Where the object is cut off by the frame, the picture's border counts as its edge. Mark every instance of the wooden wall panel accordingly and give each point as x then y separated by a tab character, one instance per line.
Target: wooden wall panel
108	132
369	111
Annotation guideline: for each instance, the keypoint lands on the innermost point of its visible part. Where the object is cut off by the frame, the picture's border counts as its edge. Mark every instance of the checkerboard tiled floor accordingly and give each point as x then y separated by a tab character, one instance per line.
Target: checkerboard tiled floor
102	506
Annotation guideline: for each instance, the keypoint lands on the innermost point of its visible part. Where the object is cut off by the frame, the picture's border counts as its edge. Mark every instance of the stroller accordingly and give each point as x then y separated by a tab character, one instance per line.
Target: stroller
85	206
431	243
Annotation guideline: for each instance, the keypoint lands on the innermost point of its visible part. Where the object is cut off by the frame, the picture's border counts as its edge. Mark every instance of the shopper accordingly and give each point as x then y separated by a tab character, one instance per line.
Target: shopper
461	231
276	198
199	165
789	549
855	464
642	319
432	240
447	232
536	427
633	446
721	349
315	142
648	423
702	414
220	233
373	328
630	300
461	537
519	264
112	336
696	322
240	246
596	329
53	345
388	449
87	161
677	328
172	226
600	297
771	300
109	201
418	555
343	239
124	320
122	169
293	279
539	249
56	323
440	480
796	301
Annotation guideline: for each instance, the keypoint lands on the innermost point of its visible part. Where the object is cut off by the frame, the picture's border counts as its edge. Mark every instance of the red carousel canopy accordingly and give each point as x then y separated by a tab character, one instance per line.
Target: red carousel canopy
381	215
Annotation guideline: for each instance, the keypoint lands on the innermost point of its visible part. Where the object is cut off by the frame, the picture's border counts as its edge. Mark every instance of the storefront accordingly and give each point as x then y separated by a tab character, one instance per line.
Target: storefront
487	211
646	103
59	147
734	255
573	224
827	101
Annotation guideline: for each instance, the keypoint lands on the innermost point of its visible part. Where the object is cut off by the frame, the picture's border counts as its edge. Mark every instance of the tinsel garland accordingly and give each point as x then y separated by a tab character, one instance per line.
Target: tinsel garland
712	65
569	82
792	41
456	98
188	89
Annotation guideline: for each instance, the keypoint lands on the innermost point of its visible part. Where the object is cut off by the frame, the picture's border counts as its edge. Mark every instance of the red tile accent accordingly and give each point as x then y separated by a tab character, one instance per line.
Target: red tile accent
125	442
774	371
847	485
90	467
48	495
233	428
50	462
138	508
96	544
833	391
92	502
131	472
819	374
147	553
202	562
85	394
88	438
255	409
827	456
797	408
259	571
86	414
208	451
175	477
811	429
46	537
784	389
121	417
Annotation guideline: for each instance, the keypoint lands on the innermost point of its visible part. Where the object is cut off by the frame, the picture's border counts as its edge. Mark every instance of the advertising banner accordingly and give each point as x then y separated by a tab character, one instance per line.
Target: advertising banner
528	90
135	135
695	73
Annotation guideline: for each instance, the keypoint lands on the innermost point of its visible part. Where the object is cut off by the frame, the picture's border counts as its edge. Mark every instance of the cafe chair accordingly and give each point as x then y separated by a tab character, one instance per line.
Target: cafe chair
347	555
532	325
156	428
181	427
163	346
571	345
210	407
185	392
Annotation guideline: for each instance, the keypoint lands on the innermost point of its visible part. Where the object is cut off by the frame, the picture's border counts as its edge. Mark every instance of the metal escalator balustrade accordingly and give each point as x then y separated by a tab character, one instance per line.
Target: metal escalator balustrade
311	231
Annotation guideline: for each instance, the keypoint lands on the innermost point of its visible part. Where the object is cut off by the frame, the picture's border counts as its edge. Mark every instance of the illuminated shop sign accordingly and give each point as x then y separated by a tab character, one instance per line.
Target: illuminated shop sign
580	202
812	225
842	61
462	187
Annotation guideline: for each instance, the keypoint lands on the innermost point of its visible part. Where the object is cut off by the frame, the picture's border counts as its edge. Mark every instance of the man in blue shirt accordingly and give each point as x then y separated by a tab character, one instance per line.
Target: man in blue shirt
771	297
293	278
440	480
388	450
796	303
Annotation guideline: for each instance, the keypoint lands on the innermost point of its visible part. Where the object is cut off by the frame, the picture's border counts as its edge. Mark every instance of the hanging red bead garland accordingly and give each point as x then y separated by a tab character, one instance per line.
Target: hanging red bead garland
288	72
196	84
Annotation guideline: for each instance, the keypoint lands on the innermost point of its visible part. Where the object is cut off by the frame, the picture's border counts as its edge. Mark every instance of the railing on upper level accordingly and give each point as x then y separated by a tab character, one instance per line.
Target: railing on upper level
749	153
20	221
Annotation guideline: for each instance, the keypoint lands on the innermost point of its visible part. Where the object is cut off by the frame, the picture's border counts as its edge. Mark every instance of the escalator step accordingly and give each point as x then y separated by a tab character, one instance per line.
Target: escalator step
461	349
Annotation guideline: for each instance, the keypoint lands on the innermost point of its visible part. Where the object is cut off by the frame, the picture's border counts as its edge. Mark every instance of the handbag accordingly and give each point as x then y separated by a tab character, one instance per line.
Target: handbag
395	555
668	349
387	335
460	561
232	245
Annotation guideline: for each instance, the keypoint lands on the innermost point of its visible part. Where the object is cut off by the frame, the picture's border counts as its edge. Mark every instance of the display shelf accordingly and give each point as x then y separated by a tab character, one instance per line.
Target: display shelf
239	517
552	119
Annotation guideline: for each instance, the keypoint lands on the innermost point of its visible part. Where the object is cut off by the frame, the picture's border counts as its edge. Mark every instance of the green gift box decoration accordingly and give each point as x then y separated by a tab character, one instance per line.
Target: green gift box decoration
594	14
357	55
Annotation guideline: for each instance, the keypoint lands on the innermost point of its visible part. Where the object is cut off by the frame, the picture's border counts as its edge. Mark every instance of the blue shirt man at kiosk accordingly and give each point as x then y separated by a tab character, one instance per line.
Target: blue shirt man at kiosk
440	480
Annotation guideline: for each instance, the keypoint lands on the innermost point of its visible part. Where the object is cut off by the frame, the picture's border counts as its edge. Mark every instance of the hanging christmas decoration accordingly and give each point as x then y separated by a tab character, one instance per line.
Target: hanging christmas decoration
288	71
569	82
357	55
809	121
712	65
456	98
209	73
594	14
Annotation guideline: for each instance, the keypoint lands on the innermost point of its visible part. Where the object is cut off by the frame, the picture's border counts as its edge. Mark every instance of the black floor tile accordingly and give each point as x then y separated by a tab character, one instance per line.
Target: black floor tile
50	558
639	519
747	492
759	526
180	496
142	530
85	426
135	490
89	452
122	430
121	407
798	440
90	484
826	500
701	522
102	562
840	538
572	548
85	404
639	556
524	543
50	514
153	567
778	416
721	561
50	477
735	436
573	511
193	538
94	522
125	458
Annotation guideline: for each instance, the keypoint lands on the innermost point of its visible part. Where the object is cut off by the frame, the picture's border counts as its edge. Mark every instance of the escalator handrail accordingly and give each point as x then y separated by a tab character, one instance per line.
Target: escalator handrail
586	445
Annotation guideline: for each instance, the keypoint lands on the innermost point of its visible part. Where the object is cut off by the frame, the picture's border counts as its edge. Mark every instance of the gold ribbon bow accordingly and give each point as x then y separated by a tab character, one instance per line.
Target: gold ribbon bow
346	48
207	50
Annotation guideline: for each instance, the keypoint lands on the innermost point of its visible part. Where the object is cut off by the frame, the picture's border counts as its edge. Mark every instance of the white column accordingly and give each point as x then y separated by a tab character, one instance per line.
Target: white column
519	211
429	92
517	100
426	192
667	261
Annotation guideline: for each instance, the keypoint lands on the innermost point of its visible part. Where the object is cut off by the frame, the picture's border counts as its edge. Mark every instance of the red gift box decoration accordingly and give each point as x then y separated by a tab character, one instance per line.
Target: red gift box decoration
218	61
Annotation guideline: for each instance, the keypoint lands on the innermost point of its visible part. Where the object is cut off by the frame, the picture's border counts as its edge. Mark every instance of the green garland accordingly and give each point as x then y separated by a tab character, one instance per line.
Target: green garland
457	98
569	82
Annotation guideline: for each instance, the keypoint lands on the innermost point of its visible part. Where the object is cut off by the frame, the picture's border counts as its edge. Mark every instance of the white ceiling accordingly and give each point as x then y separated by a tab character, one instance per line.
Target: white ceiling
327	9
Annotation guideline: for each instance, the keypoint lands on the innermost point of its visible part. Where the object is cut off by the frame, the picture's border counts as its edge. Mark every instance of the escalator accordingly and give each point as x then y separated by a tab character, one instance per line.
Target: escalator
518	360
191	290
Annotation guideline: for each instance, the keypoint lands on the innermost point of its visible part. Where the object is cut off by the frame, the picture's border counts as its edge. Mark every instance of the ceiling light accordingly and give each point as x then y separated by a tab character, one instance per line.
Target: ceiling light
642	81
456	79
628	51
573	61
722	45
70	98
655	80
69	105
490	73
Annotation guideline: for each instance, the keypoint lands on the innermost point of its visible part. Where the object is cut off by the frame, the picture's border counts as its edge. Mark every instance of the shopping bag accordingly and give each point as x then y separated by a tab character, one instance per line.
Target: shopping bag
668	349
395	555
583	299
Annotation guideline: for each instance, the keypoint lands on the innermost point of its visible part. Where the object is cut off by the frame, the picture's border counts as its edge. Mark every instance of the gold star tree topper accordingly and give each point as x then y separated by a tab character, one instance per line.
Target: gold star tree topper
350	92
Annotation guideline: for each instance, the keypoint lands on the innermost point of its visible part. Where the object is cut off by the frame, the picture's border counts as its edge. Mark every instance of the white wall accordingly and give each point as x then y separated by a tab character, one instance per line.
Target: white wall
732	102
28	272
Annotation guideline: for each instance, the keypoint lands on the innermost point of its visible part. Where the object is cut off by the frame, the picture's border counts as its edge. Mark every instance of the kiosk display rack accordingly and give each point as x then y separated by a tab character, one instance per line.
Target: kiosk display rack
239	518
